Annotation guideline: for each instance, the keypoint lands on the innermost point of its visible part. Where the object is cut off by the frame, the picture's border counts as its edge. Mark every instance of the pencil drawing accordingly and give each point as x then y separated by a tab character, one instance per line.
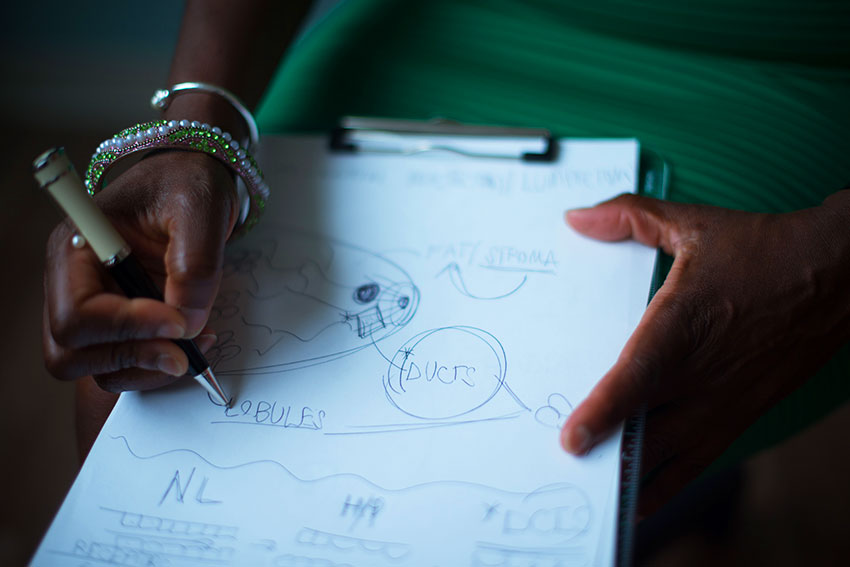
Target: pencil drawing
300	299
457	280
554	412
464	485
413	426
448	372
388	550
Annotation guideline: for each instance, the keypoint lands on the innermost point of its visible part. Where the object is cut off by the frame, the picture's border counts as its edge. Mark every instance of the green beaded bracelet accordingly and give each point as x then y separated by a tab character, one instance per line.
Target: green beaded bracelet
183	134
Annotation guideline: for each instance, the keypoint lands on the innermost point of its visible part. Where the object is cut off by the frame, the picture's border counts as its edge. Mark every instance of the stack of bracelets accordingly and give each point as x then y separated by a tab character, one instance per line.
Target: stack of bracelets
195	136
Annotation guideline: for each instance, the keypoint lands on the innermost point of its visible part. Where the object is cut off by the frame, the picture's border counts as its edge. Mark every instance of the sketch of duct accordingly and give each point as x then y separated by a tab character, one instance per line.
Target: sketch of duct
448	373
300	299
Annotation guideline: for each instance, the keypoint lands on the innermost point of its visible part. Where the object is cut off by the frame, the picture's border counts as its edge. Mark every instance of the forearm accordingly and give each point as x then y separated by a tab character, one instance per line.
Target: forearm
235	45
835	236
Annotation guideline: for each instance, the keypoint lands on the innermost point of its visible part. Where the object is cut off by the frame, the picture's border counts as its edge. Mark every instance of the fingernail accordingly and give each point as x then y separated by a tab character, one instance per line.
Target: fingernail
168	364
171	331
206	341
195	320
574	213
579	442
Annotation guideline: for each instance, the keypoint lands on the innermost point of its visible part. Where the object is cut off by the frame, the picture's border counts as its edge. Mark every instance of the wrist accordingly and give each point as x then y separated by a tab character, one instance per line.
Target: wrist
836	212
835	237
209	172
186	135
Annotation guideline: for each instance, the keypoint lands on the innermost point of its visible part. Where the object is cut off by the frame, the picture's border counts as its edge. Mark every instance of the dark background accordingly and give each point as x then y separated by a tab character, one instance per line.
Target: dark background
75	73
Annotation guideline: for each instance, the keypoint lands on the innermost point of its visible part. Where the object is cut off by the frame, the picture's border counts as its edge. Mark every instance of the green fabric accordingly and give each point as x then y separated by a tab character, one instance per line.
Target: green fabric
747	99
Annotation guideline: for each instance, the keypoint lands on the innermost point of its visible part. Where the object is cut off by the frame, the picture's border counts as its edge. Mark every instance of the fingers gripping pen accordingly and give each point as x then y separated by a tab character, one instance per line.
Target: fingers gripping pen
54	172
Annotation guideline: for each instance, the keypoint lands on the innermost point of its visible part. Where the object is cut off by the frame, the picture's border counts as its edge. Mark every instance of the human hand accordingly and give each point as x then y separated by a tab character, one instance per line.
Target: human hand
175	210
753	305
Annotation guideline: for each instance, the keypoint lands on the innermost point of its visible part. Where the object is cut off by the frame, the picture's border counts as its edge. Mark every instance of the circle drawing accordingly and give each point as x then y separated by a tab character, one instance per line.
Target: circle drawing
366	293
446	372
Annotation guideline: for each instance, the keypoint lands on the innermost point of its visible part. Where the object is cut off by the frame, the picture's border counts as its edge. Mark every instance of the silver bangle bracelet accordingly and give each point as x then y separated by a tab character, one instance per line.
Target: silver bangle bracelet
162	98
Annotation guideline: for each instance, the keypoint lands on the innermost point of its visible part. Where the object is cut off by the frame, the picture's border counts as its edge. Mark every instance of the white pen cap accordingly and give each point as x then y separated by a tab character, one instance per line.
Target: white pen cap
55	172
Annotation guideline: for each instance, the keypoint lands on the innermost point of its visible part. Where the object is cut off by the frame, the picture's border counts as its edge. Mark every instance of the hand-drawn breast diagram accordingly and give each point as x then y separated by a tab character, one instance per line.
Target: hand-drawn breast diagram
320	299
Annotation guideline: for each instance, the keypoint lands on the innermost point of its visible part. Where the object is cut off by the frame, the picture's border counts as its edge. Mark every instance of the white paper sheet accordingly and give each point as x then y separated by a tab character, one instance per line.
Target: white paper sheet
403	337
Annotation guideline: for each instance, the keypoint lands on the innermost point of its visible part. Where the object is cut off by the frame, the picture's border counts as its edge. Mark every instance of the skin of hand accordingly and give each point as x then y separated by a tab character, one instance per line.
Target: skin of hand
176	210
754	304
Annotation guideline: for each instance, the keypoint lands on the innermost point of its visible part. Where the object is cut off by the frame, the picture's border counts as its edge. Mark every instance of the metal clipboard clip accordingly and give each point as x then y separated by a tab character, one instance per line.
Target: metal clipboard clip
408	137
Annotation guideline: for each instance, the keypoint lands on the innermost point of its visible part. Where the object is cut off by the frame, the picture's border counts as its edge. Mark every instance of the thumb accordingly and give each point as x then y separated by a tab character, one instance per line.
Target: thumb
660	340
649	221
654	353
194	261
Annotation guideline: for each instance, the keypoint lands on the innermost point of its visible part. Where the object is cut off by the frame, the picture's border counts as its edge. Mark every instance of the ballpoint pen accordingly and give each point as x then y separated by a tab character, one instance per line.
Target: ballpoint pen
54	172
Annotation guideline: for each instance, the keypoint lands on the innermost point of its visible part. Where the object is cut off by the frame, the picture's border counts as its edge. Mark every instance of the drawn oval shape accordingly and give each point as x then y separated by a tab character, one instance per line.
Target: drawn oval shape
445	373
291	299
556	513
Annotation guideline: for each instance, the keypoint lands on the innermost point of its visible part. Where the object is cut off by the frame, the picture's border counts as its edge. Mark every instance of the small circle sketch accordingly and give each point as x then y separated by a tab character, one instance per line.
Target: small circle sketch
398	302
366	293
555	412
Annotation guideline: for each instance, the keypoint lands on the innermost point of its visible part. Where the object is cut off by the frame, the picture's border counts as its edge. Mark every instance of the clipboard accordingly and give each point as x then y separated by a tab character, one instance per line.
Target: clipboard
357	134
654	174
407	137
167	459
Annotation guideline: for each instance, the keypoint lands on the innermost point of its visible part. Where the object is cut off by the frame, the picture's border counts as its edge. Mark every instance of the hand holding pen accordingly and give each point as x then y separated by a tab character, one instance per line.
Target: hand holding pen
175	210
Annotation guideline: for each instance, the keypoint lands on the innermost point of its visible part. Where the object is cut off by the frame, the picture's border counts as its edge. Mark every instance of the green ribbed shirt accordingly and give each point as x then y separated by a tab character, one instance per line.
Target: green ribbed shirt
748	100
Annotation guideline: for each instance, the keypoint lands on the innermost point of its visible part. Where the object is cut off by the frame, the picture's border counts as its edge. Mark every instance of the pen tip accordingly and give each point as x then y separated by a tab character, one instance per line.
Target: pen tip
208	380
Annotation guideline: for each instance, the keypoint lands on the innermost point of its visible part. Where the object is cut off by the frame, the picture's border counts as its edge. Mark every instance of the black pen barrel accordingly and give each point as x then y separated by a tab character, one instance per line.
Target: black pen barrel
135	282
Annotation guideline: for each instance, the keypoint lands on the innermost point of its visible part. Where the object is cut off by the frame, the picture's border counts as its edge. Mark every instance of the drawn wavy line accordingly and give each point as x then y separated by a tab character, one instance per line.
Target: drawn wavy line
297	267
290	289
290	333
271	331
323	272
462	483
255	281
456	278
299	272
327	241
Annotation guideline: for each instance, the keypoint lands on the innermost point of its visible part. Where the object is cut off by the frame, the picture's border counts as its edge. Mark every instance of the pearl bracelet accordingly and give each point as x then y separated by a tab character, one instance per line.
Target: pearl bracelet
186	135
162	99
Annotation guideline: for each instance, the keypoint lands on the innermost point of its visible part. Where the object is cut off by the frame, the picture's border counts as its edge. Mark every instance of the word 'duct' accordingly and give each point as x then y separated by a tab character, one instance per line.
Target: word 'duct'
435	371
